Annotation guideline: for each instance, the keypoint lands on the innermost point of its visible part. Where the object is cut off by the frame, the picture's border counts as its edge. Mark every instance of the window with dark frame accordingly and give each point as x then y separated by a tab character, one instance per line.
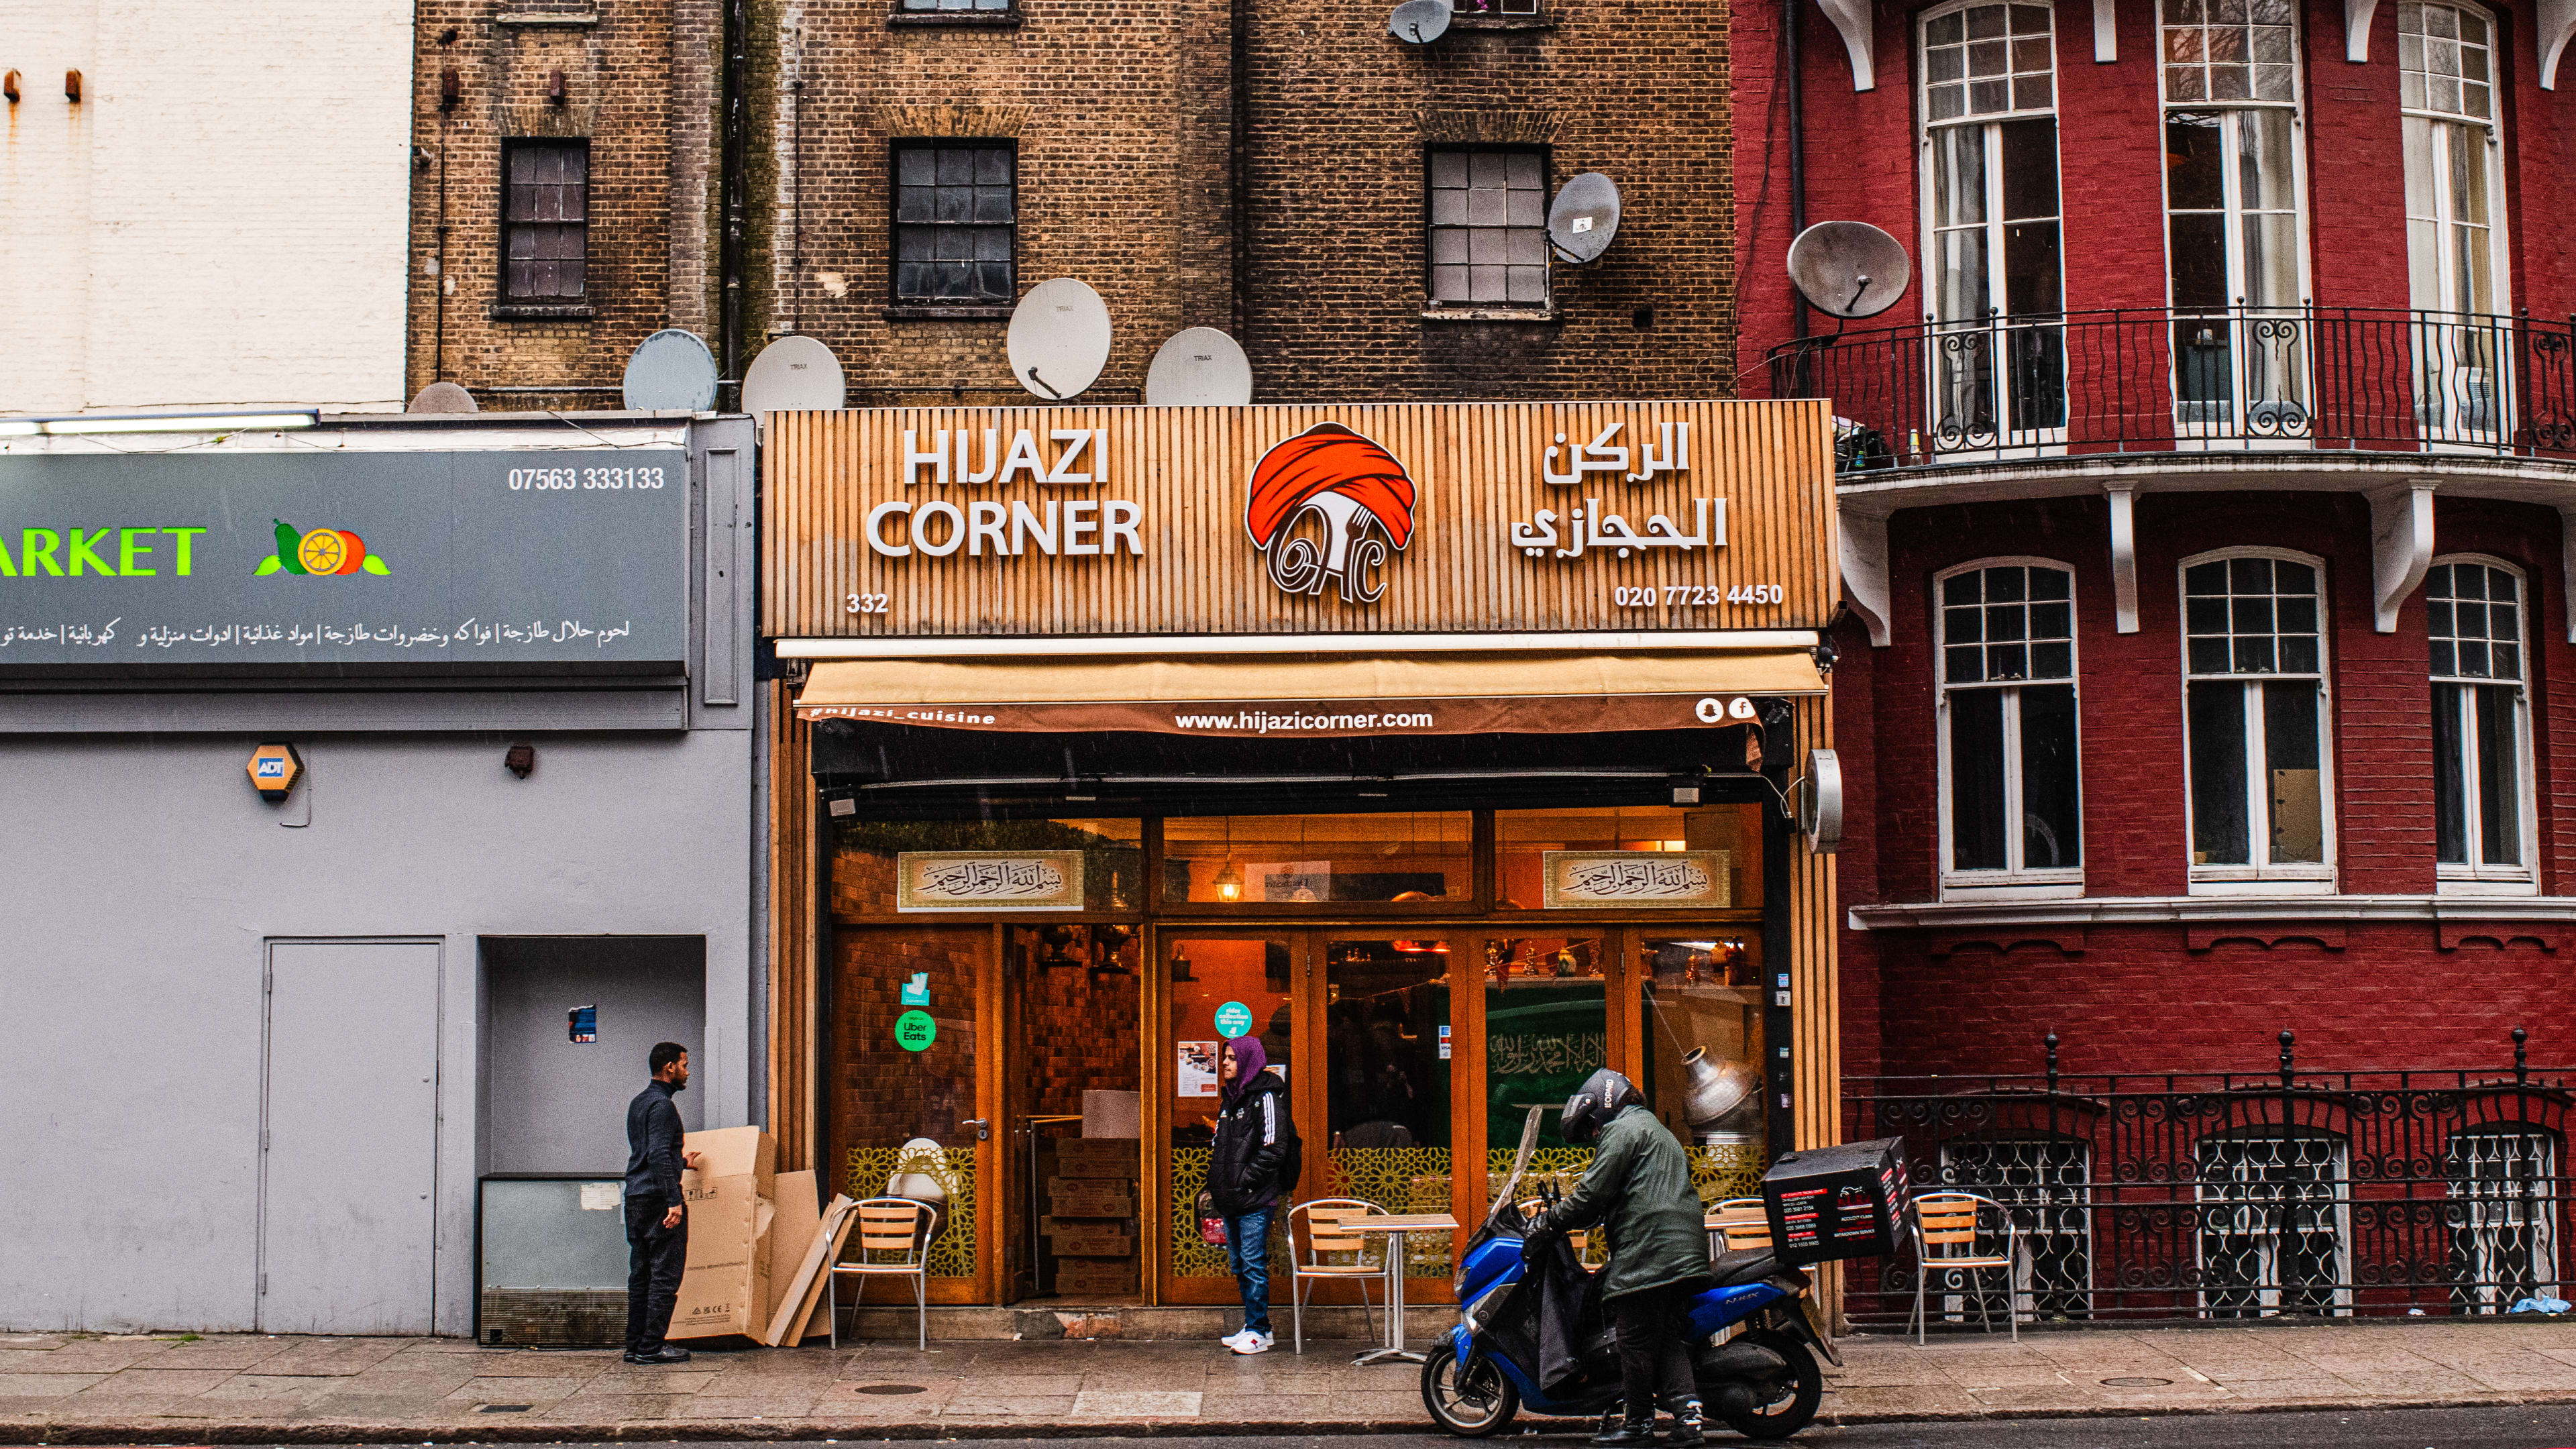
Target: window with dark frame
956	209
1489	227
545	222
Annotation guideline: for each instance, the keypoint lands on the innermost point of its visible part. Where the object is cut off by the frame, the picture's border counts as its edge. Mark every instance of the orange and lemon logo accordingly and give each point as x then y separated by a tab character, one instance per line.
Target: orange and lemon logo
322	551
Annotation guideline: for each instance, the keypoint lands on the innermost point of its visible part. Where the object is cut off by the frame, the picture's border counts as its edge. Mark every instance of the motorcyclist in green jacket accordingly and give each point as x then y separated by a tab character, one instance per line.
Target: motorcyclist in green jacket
1639	1185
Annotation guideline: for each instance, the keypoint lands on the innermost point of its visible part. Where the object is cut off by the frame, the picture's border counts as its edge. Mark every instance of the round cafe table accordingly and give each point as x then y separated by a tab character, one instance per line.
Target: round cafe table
1395	1226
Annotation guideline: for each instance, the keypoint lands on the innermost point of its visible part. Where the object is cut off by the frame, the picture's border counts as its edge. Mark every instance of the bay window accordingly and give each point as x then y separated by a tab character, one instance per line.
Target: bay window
2473	614
1996	270
2011	799
2254	722
2233	218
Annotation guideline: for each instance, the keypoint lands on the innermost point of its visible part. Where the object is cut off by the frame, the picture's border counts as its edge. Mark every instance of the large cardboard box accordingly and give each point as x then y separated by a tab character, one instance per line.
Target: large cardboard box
1095	1157
725	1290
1105	1239
1836	1202
1095	1275
1091	1197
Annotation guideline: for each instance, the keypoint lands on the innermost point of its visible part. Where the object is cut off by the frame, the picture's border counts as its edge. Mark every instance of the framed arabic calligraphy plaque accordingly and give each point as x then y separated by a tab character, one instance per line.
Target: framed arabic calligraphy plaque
988	880
1634	879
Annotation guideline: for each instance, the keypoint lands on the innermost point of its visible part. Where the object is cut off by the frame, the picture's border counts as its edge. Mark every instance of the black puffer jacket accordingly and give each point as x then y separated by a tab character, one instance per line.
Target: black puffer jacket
1257	1151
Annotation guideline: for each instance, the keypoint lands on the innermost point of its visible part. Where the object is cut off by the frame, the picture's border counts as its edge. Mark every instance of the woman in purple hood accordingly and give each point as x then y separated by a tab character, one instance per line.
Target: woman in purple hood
1255	1163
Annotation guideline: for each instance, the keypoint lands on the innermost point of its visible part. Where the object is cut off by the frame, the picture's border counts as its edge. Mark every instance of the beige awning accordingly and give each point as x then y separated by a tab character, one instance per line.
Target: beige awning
1524	691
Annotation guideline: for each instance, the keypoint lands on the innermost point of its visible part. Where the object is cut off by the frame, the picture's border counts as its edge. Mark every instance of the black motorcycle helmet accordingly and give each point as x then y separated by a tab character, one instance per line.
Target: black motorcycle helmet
1595	1102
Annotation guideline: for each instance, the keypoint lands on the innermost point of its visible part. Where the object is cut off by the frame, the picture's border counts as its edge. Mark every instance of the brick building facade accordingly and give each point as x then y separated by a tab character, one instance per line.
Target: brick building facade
2224	397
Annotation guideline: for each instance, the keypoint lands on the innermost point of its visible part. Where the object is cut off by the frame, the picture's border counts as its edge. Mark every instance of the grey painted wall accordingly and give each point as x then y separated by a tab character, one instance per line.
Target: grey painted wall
551	1104
140	880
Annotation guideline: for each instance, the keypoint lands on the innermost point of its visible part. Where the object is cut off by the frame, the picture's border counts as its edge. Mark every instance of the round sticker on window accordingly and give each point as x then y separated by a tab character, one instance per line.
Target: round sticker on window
914	1030
1233	1019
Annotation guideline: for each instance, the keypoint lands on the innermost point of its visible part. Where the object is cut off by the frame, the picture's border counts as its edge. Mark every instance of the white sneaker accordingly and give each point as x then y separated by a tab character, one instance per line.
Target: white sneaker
1231	1339
1253	1343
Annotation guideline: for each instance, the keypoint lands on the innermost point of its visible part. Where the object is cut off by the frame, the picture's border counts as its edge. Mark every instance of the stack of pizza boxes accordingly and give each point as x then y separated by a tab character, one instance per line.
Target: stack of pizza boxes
1089	1229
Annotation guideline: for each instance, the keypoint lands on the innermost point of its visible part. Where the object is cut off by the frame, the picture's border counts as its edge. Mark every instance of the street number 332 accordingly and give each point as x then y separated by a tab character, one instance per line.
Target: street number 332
1645	596
868	603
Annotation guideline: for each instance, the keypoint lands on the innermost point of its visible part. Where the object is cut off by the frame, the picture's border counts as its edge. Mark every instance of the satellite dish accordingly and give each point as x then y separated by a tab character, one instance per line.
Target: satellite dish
671	372
1849	268
1419	22
1200	368
1059	339
1584	218
793	374
443	397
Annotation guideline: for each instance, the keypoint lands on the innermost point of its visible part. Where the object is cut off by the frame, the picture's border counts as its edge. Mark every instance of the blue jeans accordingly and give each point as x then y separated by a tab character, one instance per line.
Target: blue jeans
1247	1252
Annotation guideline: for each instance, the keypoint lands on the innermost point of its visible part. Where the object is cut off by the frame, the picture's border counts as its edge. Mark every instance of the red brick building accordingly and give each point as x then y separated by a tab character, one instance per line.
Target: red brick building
2206	671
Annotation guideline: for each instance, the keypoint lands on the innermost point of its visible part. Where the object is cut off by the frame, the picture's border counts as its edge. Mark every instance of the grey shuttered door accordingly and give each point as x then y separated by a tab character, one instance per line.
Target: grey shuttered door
348	1179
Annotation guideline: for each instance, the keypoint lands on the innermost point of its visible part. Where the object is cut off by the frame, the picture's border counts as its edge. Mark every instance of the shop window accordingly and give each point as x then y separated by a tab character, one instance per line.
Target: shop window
2275	1234
2254	660
2232	216
2503	1217
2454	151
1386	1081
1203	974
1488	241
2045	1183
2473	614
994	865
1523	840
1547	1027
1410	858
545	221
956	214
2012	803
1700	1015
1997	271
911	1111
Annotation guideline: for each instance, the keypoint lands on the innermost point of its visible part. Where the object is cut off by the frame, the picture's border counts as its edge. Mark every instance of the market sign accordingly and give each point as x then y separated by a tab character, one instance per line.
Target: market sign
1614	879
1405	517
450	562
988	880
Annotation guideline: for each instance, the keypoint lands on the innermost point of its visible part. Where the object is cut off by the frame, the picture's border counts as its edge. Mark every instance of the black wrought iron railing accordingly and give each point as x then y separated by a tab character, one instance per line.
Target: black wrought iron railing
2244	377
2200	1195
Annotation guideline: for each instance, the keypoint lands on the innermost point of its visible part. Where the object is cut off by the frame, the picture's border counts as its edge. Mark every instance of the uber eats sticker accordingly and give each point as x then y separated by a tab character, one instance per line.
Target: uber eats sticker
574	559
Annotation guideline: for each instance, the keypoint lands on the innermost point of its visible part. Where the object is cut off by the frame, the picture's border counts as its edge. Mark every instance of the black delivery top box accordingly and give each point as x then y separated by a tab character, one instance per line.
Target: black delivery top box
1836	1202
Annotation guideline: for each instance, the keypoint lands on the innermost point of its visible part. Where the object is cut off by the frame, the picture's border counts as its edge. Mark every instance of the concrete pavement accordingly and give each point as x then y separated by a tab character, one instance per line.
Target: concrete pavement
242	1389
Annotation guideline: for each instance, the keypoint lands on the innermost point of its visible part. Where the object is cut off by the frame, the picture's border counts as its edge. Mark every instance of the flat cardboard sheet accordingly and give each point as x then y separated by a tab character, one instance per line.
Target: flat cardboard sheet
800	1296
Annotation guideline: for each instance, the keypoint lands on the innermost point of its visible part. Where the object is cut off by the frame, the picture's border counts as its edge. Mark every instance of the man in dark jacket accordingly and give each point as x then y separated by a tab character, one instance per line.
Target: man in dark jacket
1639	1185
1256	1159
657	1225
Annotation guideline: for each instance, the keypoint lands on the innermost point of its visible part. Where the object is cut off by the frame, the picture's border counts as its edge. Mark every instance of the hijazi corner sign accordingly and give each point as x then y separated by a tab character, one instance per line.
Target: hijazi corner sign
447	561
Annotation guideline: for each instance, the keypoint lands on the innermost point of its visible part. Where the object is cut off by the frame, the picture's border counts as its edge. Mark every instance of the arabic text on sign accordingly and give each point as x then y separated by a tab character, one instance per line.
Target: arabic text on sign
993	879
1637	879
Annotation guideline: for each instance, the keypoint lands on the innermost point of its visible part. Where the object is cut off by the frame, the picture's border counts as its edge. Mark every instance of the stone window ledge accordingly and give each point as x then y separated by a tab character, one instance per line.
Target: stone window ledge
2151	910
539	312
962	19
946	314
1501	22
1491	314
546	19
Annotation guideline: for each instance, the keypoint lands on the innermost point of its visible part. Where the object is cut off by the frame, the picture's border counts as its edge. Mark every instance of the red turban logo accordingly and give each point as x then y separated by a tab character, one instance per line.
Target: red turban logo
1353	492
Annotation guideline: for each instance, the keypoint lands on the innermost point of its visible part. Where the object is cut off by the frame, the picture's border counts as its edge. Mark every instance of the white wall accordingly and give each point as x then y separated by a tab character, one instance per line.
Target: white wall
139	880
221	220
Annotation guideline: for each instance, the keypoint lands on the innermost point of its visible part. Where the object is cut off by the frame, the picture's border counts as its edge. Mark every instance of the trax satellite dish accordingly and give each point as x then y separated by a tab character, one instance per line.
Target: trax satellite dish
1059	339
1199	368
671	372
793	374
1419	22
1849	268
443	397
1584	218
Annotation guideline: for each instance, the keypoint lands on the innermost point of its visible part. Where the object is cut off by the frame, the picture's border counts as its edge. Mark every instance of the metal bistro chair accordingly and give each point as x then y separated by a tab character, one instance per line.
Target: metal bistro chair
1947	1238
1739	1222
895	1234
1321	1248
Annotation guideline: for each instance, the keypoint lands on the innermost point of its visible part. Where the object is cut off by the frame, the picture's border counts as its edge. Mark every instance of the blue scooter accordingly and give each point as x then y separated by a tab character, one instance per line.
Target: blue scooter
1761	1380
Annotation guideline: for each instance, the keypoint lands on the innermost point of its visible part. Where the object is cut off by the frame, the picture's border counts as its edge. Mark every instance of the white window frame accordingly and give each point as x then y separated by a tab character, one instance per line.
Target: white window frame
2439	401
2262	878
2484	1216
1998	327
2015	881
2267	1290
2292	419
2061	1210
2474	878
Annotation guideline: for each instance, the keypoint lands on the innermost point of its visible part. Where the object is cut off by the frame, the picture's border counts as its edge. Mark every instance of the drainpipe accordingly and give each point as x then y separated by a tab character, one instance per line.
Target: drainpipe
1792	17
737	30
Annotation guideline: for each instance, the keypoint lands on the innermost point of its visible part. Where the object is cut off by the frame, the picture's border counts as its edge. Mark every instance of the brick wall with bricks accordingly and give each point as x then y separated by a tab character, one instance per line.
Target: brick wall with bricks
627	86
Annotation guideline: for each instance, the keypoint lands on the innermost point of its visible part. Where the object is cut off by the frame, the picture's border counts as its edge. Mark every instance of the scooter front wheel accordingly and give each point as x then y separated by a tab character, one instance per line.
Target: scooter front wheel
1472	1404
1792	1402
